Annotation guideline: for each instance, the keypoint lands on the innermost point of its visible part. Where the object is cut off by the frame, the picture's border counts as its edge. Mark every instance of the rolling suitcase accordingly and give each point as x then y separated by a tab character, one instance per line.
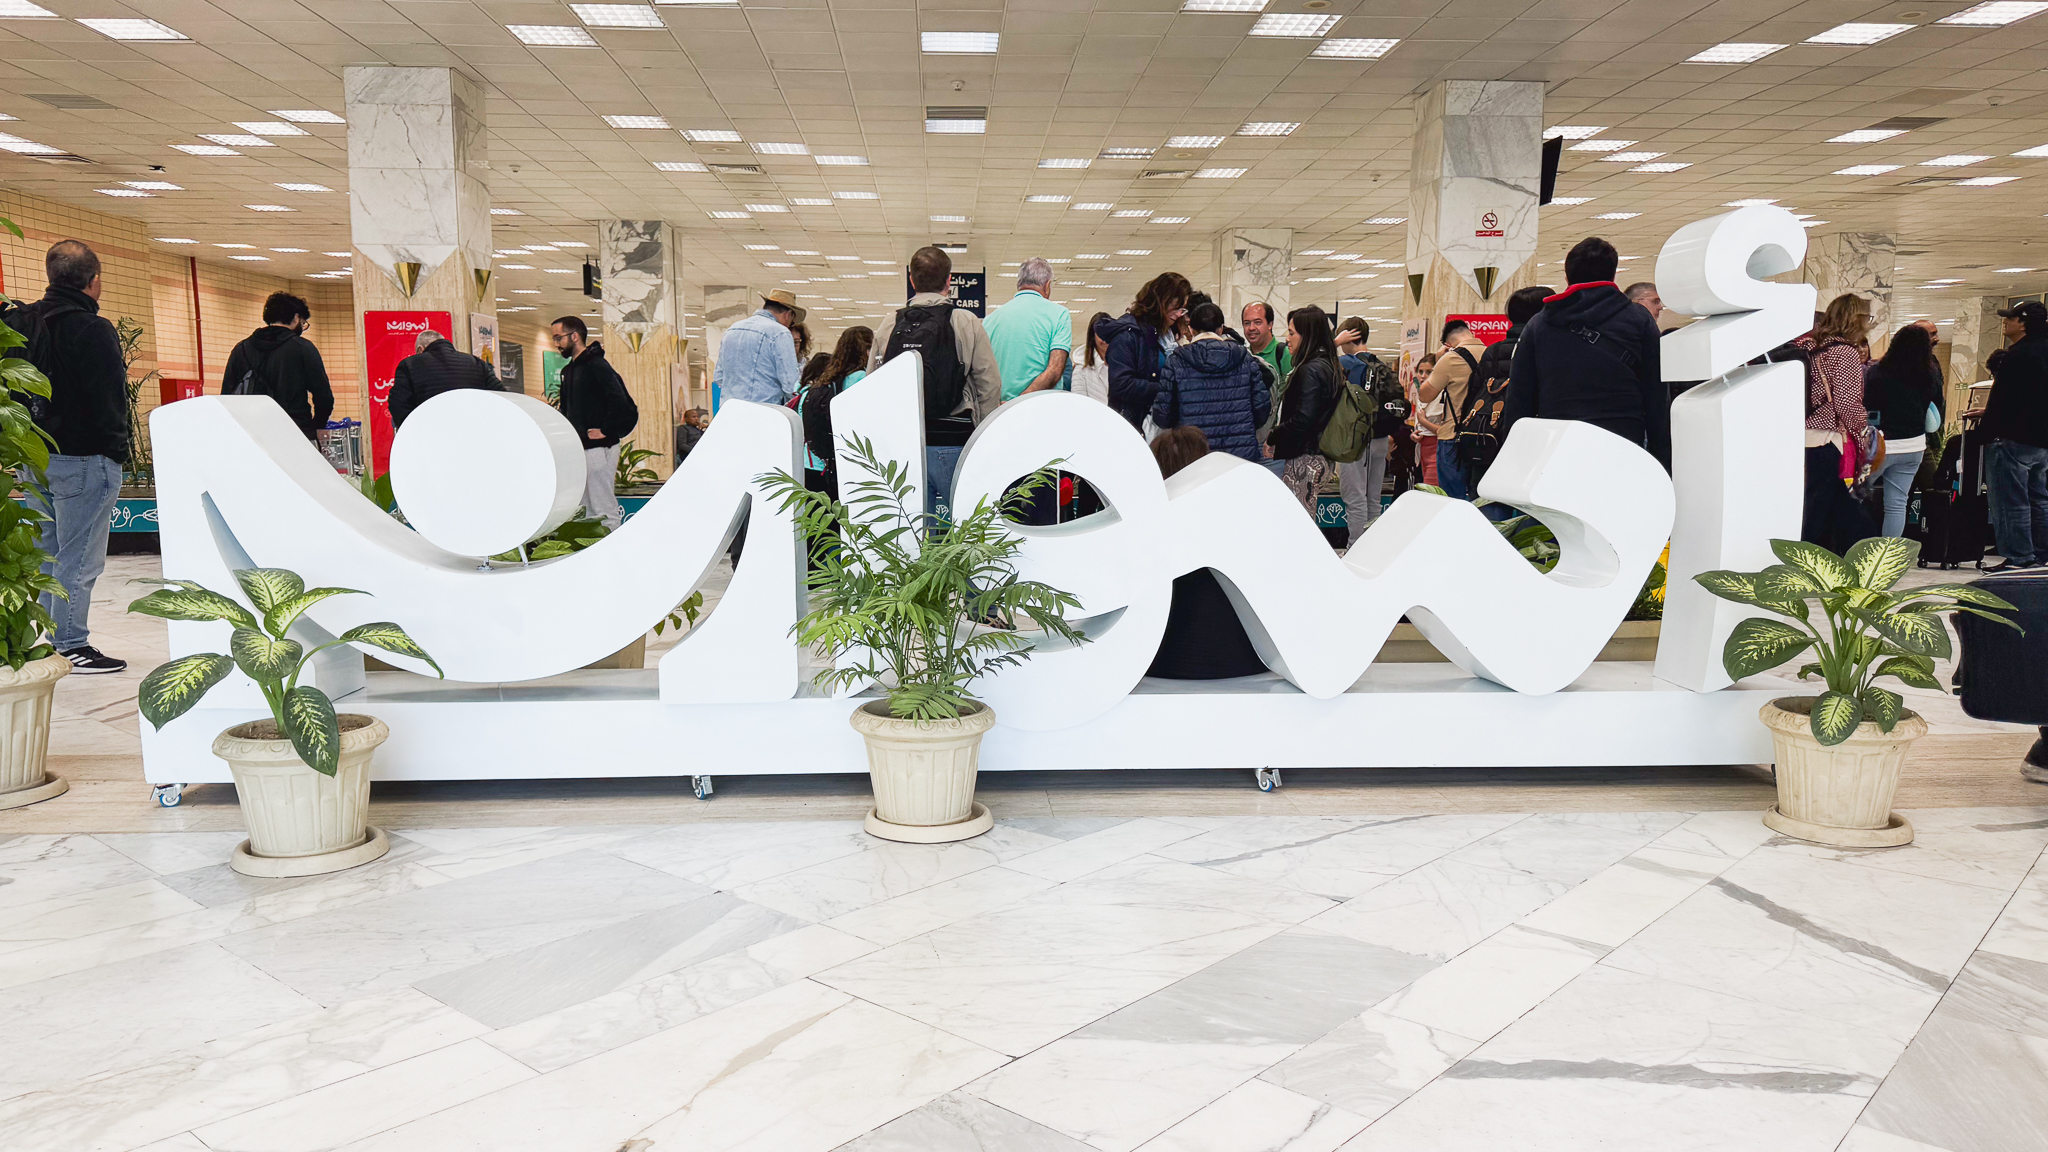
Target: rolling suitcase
1950	518
2002	674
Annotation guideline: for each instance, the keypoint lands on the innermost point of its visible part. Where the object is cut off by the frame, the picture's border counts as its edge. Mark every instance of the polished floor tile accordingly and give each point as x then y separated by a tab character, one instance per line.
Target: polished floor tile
1550	982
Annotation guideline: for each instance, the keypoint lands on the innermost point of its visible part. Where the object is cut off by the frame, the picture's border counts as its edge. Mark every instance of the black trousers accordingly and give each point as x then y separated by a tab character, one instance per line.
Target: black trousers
1831	518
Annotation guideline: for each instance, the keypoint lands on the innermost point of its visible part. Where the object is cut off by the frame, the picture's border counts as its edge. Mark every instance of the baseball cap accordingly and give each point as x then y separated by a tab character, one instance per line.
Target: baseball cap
2031	311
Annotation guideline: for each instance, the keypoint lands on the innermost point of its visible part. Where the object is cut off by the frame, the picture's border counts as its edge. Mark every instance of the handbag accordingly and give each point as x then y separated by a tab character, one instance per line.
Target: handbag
1933	418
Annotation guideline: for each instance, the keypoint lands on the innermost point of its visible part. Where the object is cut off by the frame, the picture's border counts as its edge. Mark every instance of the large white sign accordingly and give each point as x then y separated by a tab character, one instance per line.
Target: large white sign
238	485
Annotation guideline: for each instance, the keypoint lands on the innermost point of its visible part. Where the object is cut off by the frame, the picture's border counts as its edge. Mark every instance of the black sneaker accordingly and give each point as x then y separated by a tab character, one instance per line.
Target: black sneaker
87	660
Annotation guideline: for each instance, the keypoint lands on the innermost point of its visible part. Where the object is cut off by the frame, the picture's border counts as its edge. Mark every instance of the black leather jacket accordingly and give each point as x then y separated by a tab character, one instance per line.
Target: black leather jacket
1305	409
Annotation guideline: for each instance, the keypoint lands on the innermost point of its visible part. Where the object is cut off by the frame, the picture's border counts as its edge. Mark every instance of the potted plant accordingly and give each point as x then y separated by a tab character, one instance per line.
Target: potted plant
29	665
303	775
924	607
1838	753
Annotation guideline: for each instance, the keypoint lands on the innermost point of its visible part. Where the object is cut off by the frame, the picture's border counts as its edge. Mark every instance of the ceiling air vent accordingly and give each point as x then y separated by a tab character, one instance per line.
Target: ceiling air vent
72	100
1908	123
736	169
63	158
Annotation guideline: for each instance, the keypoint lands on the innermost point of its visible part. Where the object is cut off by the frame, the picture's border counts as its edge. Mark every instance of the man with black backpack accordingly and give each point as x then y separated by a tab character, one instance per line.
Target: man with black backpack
1362	480
87	415
1482	422
1591	354
962	385
279	362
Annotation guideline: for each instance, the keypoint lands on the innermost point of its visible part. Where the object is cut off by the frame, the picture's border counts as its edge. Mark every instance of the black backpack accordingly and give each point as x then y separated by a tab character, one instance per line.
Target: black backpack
257	378
1482	420
927	329
816	412
33	321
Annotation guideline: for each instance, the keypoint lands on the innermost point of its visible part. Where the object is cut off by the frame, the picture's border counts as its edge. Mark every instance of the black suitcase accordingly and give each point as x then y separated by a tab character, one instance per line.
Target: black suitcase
2001	674
1952	529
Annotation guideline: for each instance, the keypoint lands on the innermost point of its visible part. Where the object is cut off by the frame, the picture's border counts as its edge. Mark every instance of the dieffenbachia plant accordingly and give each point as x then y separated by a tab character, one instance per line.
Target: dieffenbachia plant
260	649
1872	631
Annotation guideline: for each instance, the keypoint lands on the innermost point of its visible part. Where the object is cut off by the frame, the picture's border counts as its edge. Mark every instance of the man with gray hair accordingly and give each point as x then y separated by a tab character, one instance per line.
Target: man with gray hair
1645	293
1032	336
87	415
436	366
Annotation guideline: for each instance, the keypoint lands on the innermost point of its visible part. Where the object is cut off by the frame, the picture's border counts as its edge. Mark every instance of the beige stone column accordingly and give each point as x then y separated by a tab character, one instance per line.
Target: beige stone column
1474	177
641	335
419	209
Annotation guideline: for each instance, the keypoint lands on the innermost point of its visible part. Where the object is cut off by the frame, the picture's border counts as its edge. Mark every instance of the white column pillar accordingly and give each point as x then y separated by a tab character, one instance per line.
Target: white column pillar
1861	262
1475	174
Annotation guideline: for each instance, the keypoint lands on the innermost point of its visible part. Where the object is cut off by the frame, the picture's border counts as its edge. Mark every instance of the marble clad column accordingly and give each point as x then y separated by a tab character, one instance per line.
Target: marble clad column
1977	332
1859	262
1474	177
723	305
417	164
638	263
1254	264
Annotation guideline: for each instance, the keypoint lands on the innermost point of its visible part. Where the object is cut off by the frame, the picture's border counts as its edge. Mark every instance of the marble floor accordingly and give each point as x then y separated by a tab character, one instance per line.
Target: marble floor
1424	983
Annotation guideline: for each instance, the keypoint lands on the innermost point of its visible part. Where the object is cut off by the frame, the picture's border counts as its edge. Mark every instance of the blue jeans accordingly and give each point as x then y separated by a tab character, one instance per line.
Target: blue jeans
1896	474
939	466
2019	500
79	498
1450	471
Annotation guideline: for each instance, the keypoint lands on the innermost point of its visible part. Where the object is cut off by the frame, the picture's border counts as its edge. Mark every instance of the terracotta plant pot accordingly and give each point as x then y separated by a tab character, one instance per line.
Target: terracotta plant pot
923	774
25	694
1839	795
302	823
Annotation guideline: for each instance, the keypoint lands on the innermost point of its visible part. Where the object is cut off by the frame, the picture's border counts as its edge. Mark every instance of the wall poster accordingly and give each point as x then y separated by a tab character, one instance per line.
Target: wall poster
388	338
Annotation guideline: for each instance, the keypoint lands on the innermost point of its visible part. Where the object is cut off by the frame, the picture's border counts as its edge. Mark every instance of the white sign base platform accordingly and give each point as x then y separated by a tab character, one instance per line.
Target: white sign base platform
596	724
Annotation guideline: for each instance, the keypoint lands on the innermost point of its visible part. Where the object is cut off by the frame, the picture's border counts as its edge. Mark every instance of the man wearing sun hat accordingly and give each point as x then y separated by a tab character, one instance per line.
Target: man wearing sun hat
757	357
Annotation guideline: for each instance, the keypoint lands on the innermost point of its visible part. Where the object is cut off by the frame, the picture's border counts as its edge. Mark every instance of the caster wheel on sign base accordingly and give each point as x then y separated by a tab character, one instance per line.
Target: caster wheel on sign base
167	795
702	786
1267	778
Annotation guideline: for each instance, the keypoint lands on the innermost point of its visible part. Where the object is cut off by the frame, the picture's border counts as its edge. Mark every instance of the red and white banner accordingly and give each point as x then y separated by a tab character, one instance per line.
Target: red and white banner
1490	328
388	337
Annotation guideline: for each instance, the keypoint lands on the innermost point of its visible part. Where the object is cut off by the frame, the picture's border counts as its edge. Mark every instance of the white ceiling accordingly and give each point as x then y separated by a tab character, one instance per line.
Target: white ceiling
1072	77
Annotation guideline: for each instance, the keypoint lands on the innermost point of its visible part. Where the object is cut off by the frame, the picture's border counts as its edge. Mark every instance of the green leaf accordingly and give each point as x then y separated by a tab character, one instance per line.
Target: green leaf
279	618
1885	707
172	690
308	719
1806	670
1824	566
1963	593
391	638
1915	670
1879	561
1784	582
269	587
1757	644
1915	632
266	661
193	603
1835	717
1737	586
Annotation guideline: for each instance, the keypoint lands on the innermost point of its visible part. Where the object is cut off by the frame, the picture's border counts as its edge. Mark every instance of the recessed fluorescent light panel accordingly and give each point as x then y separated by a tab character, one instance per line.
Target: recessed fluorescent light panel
1866	135
962	120
1223	5
1956	161
711	135
856	195
1983	181
1169	220
1388	220
236	139
551	35
1090	206
729	216
1128	213
1752	203
506	212
134	30
269	128
1630	157
935	220
637	121
959	43
617	15
843	161
1573	131
1338	48
766	208
307	116
1572	201
1860	33
153	185
1866	170
268	208
1124	154
1066	162
1734	52
680	166
128	192
1602	145
1667	166
1194	141
772	149
1301	25
1268	128
810	201
205	150
174	240
1995	15
1220	173
1047	199
1615	215
23	10
305	187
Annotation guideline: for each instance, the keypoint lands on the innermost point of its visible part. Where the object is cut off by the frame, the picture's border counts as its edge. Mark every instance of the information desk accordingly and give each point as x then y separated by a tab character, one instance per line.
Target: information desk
1396	716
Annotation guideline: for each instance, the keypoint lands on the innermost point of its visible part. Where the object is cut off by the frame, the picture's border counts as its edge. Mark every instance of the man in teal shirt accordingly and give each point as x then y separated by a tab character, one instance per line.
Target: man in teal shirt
1258	336
1031	335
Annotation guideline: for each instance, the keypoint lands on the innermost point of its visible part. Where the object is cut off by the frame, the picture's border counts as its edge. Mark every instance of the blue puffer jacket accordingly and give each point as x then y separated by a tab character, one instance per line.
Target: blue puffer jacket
1134	360
1220	388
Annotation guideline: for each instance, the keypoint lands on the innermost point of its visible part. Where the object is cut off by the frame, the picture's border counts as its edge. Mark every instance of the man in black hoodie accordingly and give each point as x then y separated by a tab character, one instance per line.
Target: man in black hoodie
87	414
595	400
279	362
1591	354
